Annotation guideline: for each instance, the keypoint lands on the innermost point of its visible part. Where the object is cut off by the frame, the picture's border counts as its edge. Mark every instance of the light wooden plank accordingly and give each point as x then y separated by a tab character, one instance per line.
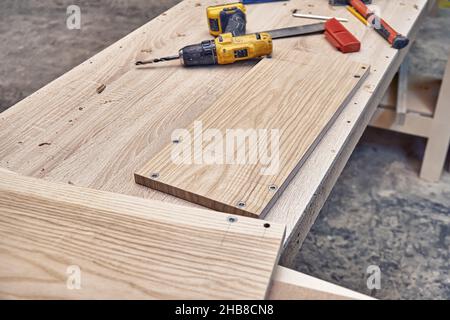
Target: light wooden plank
402	92
126	247
439	138
421	96
415	124
296	95
119	130
291	285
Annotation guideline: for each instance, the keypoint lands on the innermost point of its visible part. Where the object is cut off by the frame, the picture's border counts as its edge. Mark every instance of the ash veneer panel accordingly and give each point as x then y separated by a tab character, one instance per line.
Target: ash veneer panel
297	93
126	247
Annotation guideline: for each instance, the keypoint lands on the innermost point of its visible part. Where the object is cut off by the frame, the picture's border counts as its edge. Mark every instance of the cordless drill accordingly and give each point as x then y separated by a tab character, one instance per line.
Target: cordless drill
225	49
227	18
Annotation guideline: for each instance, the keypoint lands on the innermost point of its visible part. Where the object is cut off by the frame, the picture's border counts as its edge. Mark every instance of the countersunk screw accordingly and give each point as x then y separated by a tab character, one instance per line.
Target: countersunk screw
241	204
155	175
232	219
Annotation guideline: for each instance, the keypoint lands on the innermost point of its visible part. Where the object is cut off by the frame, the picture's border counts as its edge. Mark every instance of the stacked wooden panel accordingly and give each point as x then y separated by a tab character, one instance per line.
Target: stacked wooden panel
240	154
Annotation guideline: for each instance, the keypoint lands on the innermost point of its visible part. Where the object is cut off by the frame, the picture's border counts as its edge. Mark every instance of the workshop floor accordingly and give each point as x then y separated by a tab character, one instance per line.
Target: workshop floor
379	213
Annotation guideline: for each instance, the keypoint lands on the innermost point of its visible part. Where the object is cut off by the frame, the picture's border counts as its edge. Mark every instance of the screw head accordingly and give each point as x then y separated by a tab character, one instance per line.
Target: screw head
241	204
154	175
232	219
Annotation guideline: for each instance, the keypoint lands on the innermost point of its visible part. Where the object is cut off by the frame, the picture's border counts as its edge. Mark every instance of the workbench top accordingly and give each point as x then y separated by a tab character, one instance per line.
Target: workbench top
68	132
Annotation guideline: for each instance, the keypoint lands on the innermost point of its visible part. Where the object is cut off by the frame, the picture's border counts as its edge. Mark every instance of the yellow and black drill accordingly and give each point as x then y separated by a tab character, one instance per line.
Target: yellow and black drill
225	49
228	23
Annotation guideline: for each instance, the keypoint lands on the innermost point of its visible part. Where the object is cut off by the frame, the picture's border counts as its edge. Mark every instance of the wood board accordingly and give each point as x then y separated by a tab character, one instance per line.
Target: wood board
240	154
125	247
292	285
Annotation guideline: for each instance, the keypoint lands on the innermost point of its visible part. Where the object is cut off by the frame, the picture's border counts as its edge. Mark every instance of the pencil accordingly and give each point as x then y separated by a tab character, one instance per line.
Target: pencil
357	15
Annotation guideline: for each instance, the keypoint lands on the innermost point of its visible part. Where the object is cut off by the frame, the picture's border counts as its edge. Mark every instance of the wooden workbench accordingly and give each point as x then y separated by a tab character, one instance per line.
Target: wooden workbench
67	132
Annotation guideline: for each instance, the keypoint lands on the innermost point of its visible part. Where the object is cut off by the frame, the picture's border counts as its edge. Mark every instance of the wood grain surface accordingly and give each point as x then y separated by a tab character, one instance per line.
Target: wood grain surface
67	132
288	284
126	247
293	97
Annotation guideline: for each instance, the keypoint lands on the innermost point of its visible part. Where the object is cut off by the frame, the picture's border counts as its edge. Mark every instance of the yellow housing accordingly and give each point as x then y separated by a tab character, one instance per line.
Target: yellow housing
213	16
230	49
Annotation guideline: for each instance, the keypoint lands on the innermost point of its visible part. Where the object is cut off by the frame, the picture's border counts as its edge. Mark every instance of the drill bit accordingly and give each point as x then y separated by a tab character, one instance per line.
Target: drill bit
138	63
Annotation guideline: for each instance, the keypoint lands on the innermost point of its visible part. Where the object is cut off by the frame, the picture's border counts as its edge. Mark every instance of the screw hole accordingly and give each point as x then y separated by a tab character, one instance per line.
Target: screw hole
273	187
241	204
232	219
348	121
267	225
357	76
155	175
176	141
363	67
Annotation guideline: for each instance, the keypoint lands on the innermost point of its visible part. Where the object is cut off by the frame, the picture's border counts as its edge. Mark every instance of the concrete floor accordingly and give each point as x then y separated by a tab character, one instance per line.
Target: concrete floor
379	213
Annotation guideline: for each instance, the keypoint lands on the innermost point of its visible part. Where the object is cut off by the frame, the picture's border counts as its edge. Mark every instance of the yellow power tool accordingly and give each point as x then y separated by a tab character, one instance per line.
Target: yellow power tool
225	49
227	18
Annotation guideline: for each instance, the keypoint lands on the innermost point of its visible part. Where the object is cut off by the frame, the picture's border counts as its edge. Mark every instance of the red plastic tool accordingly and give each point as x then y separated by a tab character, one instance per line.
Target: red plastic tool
340	37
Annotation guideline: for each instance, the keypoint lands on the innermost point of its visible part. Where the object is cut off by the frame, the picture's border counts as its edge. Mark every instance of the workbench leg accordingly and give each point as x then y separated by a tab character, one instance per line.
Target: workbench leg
439	138
402	92
435	156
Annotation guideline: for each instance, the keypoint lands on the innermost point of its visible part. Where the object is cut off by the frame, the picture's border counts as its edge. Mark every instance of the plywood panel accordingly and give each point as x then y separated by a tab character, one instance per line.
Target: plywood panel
272	118
126	247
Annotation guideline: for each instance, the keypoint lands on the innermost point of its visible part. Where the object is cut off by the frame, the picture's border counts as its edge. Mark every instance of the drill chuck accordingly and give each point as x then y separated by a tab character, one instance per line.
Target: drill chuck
199	54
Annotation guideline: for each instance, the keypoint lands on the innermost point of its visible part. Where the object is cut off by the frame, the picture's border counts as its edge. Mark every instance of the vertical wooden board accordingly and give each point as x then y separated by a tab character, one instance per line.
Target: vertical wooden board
279	110
123	247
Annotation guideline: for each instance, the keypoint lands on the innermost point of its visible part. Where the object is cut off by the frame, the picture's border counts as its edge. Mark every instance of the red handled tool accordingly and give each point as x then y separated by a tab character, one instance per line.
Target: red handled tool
382	27
397	40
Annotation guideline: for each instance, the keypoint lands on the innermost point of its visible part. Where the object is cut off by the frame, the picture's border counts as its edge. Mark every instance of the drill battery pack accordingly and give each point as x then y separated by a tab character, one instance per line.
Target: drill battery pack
227	18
